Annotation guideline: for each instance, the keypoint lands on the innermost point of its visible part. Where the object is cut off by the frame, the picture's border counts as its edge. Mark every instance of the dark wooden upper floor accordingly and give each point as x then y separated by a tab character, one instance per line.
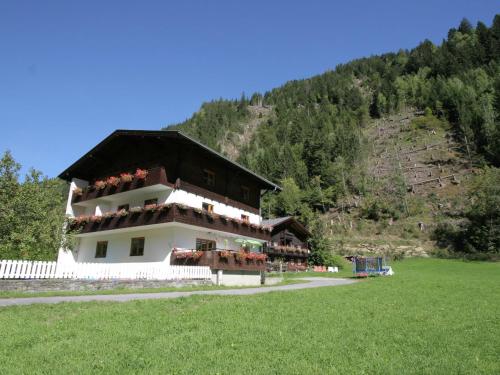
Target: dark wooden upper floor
288	232
183	159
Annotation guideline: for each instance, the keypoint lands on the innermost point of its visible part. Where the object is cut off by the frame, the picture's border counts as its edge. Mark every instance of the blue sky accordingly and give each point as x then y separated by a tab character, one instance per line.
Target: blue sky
73	71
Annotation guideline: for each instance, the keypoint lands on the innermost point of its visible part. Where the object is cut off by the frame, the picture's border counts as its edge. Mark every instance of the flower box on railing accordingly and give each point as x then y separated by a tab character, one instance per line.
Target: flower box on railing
118	184
164	213
288	251
188	254
220	259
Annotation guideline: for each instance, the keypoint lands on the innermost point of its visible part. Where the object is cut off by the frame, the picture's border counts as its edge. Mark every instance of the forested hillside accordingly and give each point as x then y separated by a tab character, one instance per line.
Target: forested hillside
397	149
316	140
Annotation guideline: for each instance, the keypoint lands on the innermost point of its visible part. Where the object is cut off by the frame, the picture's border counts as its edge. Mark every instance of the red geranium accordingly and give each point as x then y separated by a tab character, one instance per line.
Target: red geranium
95	219
150	207
226	254
126	177
261	257
141	174
251	256
113	181
100	184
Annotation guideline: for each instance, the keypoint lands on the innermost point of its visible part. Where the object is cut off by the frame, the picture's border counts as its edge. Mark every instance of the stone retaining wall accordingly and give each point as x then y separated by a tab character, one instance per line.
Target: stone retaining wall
50	285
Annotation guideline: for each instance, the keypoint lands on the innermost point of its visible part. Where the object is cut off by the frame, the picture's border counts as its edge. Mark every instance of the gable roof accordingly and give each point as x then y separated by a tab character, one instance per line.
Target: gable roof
165	135
275	221
287	221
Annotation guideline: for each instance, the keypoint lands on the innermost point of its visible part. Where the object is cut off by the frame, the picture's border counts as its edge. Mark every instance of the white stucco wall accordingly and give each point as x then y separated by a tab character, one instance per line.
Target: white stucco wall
158	243
136	198
157	246
193	200
234	278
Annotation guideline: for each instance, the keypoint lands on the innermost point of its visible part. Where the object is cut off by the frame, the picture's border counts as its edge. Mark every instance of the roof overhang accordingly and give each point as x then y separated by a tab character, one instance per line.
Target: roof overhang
292	222
165	135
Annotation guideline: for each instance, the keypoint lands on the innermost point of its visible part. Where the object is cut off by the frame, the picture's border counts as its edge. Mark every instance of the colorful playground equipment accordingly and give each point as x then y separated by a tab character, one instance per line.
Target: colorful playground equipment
371	266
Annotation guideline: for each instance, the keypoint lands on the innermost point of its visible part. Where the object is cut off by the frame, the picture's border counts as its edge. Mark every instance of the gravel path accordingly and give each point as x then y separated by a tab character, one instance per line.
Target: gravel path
312	282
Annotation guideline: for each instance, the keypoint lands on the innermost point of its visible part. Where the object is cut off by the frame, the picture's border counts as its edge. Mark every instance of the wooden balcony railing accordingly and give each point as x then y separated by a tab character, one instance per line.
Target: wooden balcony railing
155	176
219	260
165	214
287	251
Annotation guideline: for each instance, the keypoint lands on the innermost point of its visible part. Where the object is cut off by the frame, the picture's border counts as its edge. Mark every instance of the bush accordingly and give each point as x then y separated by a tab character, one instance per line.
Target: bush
448	235
377	209
429	122
478	236
334	260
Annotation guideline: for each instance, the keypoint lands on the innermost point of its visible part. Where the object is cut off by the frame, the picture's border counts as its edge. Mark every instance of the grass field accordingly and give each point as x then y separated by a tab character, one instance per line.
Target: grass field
432	317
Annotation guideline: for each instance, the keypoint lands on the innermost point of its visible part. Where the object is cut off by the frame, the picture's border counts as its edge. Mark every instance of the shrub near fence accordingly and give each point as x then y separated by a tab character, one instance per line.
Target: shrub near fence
23	269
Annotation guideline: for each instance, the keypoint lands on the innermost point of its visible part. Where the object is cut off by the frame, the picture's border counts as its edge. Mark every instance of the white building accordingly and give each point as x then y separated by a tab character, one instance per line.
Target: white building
160	196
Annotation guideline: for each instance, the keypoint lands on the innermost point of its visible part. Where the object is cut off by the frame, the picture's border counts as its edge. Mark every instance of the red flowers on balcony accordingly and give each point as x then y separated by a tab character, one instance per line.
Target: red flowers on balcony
81	220
100	185
126	177
242	255
150	207
260	257
189	254
226	254
288	250
141	174
163	213
113	181
109	215
95	219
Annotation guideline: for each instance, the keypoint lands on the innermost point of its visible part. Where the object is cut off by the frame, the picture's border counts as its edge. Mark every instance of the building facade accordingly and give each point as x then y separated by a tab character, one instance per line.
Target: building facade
288	249
160	196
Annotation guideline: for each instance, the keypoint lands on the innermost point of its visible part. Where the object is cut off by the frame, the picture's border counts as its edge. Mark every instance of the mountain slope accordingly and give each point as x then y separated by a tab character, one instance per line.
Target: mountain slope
349	141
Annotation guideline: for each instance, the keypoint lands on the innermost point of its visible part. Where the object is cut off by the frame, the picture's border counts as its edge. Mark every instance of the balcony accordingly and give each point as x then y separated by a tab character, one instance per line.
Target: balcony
220	260
155	179
287	251
167	213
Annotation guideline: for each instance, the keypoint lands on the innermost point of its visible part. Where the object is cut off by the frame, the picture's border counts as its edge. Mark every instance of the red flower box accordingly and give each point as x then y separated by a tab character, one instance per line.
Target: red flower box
100	184
113	181
226	254
150	207
140	174
126	177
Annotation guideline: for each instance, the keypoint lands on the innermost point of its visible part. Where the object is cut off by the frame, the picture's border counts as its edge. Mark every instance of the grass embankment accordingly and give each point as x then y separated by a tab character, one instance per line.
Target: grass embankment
193	288
432	317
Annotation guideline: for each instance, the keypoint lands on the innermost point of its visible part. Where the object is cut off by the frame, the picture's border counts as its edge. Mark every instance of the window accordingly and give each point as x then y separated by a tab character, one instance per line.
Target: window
205	245
101	249
207	207
123	207
245	193
150	201
209	177
245	218
137	247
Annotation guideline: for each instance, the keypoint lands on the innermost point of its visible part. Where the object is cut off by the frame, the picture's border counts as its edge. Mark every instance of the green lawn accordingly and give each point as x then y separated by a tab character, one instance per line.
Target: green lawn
343	272
432	317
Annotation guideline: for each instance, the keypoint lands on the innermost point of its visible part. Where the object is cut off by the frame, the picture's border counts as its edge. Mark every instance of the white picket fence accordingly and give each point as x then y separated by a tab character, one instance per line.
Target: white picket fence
23	269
